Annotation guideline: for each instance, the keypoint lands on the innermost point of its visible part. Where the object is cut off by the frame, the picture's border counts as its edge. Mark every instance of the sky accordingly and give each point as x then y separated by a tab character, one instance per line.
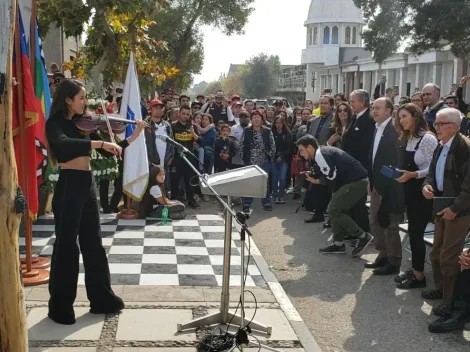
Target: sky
273	28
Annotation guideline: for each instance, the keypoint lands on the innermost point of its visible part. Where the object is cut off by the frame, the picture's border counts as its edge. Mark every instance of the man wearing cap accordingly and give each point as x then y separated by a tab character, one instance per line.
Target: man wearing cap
159	152
218	110
235	111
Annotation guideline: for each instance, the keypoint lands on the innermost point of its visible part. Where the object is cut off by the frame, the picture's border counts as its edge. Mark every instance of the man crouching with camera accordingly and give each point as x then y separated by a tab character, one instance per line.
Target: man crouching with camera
348	181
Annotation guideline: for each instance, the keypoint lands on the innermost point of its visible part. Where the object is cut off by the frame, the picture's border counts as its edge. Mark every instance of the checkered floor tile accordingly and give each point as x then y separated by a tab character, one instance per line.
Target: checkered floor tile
143	252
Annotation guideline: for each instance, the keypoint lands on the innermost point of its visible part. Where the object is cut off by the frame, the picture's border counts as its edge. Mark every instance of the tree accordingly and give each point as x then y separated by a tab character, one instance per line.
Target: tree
212	87
233	85
424	25
187	16
171	27
261	75
116	28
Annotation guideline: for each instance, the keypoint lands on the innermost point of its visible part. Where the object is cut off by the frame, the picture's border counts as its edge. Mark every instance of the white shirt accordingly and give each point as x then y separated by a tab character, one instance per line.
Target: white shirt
156	193
424	153
160	144
237	132
378	136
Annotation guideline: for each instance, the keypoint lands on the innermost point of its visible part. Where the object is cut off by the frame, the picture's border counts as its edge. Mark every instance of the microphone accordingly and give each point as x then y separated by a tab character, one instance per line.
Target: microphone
179	147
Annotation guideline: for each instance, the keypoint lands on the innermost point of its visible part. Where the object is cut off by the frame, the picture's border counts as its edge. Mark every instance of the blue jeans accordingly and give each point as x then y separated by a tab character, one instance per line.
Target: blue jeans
278	178
266	200
200	156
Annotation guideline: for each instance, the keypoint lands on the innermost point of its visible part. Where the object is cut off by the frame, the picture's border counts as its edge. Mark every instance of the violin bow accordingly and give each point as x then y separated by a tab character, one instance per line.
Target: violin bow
110	131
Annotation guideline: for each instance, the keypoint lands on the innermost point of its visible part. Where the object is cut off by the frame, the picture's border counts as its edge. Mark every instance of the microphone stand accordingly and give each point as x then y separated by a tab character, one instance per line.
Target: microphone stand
224	316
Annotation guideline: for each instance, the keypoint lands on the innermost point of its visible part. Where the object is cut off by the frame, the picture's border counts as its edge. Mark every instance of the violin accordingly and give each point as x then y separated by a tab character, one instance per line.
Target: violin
90	123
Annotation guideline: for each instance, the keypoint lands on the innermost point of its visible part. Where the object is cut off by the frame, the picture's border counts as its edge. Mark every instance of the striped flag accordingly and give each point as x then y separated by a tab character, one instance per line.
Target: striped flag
43	94
136	168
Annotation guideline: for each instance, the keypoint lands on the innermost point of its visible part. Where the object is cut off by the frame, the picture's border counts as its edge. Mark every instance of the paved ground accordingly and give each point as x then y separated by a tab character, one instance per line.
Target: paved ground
345	307
149	322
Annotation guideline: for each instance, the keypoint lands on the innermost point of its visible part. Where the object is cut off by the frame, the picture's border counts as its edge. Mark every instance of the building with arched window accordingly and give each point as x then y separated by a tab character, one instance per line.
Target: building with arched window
334	58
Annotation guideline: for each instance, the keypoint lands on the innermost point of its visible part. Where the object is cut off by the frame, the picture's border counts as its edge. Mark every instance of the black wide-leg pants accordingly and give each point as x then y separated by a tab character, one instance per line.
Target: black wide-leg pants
76	214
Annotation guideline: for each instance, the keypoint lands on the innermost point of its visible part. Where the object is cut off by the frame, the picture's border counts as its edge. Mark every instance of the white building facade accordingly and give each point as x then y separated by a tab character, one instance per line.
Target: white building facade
335	58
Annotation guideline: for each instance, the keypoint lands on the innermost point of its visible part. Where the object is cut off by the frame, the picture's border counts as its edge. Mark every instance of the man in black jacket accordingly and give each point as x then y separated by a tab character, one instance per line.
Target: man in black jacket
386	195
347	179
357	141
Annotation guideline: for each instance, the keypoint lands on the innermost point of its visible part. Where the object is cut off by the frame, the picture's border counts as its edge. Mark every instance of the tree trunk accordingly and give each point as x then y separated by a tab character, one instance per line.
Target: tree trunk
13	335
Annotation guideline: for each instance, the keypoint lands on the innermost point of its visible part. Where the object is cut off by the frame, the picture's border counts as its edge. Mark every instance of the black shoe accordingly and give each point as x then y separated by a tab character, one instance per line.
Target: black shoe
412	282
194	204
377	263
456	321
296	197
246	209
115	307
404	276
442	310
387	269
68	319
267	206
315	219
431	294
334	249
361	245
327	224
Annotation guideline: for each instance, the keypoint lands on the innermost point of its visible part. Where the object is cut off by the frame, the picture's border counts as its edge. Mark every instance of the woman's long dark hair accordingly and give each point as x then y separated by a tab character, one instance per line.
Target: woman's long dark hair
154	172
420	127
336	124
68	88
285	127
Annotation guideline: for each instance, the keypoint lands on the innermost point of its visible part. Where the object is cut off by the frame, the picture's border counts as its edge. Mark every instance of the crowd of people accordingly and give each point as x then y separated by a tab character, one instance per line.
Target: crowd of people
409	160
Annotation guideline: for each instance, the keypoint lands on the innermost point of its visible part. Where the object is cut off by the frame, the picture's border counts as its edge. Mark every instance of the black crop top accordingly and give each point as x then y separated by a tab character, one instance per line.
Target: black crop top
67	143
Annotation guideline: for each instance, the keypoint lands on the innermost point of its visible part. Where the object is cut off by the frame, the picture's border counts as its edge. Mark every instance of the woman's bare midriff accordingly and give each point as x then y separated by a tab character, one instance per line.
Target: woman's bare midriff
80	163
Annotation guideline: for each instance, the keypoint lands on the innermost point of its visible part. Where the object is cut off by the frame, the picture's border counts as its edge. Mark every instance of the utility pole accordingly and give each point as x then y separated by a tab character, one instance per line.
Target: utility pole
13	330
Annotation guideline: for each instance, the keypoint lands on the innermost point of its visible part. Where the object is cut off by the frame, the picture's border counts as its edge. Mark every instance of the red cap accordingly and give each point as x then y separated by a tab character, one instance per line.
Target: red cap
235	97
155	102
238	103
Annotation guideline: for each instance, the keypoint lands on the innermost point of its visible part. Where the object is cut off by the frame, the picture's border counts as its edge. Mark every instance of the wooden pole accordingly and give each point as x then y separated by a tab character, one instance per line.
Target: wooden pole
13	333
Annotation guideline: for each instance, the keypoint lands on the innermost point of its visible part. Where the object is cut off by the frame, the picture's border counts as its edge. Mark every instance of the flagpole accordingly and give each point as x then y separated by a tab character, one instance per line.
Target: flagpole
36	262
31	277
13	333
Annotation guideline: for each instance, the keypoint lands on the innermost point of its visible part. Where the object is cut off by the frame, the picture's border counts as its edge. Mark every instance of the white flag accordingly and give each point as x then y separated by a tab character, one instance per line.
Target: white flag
136	167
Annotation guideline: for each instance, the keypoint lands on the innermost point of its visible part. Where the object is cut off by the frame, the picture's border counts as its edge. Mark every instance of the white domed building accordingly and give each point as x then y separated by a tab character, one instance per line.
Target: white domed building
334	58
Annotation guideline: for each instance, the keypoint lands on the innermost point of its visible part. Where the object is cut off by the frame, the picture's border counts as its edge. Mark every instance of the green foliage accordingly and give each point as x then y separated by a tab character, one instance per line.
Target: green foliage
261	75
179	26
116	28
425	25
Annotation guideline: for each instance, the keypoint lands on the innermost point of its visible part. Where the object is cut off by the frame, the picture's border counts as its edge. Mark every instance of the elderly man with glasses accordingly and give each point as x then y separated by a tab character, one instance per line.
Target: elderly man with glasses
448	177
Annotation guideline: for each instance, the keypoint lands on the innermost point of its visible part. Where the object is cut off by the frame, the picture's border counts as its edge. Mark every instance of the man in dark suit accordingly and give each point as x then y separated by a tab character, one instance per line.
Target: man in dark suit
357	141
386	195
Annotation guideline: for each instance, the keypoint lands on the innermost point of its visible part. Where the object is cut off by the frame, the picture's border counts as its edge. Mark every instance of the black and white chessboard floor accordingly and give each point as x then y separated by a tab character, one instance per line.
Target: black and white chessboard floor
144	252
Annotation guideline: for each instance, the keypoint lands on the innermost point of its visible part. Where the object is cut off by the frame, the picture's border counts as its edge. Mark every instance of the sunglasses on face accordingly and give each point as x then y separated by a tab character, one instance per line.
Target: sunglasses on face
342	110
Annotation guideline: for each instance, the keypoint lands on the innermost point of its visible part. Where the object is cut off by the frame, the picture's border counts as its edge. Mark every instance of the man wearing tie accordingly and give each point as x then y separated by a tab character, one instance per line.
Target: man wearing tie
386	195
448	176
357	141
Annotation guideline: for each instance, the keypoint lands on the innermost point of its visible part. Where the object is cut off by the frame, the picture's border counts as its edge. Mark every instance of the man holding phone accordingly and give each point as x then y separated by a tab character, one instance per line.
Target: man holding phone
347	179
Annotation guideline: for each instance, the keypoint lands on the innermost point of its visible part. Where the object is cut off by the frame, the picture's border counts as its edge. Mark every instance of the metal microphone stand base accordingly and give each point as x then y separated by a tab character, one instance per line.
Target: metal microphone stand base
224	316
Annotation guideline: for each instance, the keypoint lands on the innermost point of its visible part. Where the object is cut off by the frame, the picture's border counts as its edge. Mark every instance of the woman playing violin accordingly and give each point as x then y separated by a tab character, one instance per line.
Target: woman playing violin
75	208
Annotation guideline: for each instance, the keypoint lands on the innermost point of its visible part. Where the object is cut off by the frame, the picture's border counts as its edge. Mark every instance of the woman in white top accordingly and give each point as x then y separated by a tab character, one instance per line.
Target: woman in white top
419	146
